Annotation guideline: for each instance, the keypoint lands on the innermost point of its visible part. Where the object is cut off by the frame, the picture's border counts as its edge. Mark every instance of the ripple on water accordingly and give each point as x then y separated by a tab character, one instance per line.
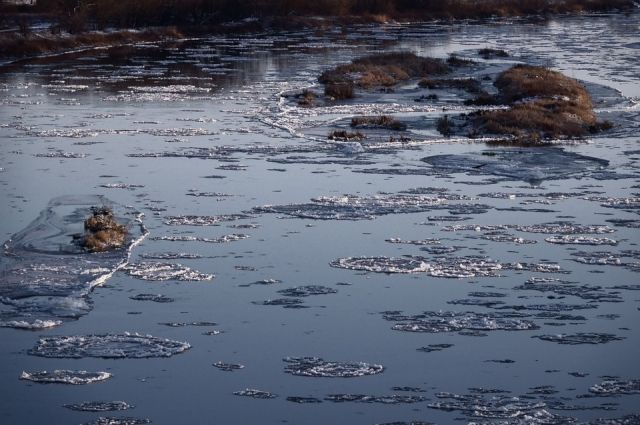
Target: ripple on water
73	377
110	346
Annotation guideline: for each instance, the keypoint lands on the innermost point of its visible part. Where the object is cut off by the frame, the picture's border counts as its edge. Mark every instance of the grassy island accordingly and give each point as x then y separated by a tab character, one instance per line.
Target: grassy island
543	104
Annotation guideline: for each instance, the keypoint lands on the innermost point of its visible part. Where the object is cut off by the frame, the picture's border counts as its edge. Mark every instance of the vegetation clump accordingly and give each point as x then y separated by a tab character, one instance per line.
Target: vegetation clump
307	98
346	136
339	90
102	231
384	70
380	121
445	126
544	104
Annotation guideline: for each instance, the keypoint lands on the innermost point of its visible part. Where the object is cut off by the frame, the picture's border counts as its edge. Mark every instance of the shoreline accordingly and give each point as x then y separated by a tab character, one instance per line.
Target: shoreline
16	47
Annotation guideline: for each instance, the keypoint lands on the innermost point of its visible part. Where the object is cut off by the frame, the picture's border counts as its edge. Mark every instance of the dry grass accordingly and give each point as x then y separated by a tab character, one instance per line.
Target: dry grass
380	121
384	70
17	46
102	231
544	104
339	90
307	98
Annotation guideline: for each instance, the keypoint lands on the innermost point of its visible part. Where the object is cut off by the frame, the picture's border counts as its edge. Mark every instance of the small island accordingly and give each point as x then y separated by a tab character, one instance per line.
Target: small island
102	231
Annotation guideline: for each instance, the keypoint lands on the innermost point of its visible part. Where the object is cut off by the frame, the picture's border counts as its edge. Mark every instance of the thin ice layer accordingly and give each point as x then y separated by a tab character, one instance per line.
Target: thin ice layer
46	276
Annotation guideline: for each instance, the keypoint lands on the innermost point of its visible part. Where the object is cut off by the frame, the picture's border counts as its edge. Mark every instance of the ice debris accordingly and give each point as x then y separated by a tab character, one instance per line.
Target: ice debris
73	377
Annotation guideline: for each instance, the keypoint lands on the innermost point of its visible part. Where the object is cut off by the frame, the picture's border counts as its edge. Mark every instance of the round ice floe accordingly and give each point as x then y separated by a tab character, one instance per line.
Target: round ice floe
114	346
317	367
72	377
99	406
165	271
450	267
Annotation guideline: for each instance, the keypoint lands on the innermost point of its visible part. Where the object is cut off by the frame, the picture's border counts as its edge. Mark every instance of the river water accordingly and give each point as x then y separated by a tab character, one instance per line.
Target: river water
274	276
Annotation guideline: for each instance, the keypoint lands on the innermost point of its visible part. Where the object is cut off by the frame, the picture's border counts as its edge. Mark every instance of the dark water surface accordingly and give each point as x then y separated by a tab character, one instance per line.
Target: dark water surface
286	278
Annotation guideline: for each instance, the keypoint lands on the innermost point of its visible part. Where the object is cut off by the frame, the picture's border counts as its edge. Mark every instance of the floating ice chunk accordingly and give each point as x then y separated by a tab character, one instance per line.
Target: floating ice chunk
580	338
222	239
118	421
351	148
72	377
157	298
304	400
564	228
307	290
597	258
496	407
253	393
414	242
387	399
165	271
34	325
452	267
99	406
202	220
228	367
284	302
112	346
382	264
353	207
615	387
580	240
317	367
170	255
437	322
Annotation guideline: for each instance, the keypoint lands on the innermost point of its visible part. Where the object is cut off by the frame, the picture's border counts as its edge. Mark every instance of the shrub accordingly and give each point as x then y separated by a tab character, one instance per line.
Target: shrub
380	121
444	126
339	90
383	70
